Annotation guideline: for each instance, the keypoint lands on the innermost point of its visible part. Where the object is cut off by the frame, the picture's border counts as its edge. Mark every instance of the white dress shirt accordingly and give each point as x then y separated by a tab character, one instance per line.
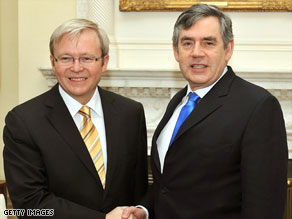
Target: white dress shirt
164	138
96	116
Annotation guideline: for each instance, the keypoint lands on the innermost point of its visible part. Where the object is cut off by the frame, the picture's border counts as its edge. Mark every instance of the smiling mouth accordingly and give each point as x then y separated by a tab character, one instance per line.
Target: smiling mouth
77	79
198	66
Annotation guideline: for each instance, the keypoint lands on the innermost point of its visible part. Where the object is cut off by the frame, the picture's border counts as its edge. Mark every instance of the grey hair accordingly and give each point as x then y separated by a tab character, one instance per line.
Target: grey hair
74	28
194	13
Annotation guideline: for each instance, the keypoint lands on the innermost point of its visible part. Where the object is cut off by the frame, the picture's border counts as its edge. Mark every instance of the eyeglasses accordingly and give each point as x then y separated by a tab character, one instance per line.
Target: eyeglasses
83	60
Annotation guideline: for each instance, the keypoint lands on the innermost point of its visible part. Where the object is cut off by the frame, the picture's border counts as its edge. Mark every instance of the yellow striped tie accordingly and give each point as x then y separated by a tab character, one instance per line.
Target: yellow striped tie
91	138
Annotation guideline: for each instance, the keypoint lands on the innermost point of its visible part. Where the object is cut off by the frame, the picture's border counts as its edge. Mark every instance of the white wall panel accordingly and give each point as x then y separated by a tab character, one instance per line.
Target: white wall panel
142	65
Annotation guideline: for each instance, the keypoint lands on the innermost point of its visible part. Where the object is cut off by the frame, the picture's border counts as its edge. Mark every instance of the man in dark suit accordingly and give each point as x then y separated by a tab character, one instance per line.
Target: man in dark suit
49	164
228	159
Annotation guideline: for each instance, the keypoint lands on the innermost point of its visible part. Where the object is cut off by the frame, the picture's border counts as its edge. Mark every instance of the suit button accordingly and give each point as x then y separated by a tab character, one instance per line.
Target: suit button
164	191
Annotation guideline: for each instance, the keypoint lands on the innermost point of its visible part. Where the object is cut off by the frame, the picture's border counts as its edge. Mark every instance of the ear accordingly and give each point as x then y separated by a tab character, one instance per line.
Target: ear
52	62
229	50
175	52
105	63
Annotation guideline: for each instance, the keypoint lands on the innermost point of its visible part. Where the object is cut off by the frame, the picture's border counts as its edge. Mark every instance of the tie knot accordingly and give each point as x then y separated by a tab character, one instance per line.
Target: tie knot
85	111
193	97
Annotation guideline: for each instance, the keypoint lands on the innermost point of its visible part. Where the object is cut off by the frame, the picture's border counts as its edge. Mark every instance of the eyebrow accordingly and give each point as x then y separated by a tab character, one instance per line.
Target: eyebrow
208	38
186	38
80	55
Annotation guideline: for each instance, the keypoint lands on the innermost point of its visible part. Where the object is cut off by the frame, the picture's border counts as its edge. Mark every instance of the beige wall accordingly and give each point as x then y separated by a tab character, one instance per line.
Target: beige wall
25	29
37	21
8	62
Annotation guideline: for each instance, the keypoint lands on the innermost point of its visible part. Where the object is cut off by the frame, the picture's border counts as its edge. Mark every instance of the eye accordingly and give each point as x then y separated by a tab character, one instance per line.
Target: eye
187	44
66	59
209	43
86	59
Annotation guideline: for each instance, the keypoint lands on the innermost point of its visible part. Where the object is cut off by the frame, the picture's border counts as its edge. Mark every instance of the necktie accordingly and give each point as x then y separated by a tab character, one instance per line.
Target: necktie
185	112
91	138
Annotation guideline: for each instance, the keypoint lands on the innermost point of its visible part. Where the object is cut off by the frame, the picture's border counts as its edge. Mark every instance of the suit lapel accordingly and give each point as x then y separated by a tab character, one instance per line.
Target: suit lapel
168	113
213	100
169	110
112	130
61	120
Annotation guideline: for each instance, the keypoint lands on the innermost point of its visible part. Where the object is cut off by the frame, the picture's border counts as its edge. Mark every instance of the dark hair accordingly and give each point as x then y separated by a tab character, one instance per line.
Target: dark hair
194	13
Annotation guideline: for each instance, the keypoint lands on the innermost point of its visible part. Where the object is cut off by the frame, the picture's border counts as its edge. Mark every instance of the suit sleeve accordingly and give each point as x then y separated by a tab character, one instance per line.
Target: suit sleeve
264	162
148	199
26	176
141	172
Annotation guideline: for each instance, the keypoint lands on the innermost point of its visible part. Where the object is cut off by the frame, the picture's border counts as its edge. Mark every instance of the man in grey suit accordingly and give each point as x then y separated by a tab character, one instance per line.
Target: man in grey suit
224	154
49	164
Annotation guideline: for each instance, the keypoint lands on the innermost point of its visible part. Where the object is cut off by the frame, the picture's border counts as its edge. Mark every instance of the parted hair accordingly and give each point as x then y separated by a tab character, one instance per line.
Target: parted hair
74	28
194	13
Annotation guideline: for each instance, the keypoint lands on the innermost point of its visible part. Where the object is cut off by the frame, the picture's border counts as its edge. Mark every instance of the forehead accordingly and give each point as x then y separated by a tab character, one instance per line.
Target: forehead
83	41
85	35
203	27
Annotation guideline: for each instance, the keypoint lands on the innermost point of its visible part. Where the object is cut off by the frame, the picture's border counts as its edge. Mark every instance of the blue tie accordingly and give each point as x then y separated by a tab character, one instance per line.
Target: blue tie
185	112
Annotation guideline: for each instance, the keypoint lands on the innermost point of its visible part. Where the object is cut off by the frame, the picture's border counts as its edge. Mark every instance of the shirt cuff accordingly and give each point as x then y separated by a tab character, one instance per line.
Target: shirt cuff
145	209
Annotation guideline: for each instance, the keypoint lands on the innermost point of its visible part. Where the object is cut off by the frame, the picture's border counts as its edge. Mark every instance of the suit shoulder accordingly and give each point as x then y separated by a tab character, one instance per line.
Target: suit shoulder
249	89
32	105
119	98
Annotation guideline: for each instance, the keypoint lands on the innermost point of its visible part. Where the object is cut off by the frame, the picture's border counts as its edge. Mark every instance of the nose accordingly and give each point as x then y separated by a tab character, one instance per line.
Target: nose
198	50
76	66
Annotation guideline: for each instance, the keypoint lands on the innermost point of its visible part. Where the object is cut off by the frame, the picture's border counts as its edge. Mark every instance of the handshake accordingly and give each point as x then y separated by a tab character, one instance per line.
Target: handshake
127	213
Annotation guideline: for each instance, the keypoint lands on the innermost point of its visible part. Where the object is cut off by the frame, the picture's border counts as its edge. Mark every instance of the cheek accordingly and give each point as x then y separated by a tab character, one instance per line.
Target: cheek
216	59
60	74
183	61
184	68
95	74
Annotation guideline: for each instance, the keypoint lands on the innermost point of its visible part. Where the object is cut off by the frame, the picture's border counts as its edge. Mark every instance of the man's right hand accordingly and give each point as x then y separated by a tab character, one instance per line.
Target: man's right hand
138	213
117	213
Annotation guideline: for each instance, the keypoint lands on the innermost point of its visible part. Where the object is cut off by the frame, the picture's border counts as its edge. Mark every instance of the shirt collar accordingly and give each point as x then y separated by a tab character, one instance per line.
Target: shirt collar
203	91
74	106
